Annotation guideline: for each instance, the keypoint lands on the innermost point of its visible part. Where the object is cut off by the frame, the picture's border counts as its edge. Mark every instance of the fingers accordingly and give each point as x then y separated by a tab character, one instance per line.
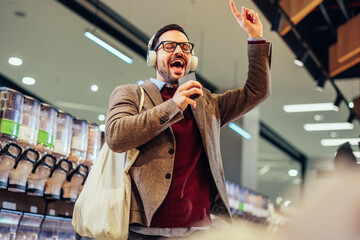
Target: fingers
193	93
244	12
185	94
191	88
190	84
235	11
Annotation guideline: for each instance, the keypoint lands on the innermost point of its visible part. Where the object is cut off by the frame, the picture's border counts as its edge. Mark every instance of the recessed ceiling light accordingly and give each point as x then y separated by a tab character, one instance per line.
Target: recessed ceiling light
102	127
328	126
333	134
339	141
298	62
351	105
101	117
28	81
318	117
293	172
94	88
15	61
312	107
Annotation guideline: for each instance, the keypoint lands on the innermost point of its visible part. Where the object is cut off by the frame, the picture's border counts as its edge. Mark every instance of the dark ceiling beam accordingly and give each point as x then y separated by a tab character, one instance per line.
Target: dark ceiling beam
323	70
327	18
343	9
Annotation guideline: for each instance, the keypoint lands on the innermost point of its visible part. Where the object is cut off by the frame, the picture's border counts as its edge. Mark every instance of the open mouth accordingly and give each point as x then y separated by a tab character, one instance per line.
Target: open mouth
177	65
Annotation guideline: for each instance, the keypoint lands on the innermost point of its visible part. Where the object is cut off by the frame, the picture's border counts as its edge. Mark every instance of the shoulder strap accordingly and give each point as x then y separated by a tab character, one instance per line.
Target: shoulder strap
141	99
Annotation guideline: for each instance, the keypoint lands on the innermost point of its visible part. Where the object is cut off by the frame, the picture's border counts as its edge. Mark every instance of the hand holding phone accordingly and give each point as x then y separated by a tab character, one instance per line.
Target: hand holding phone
188	77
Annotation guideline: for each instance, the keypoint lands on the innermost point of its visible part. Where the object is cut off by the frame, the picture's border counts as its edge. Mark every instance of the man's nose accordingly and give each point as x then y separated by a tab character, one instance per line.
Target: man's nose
178	50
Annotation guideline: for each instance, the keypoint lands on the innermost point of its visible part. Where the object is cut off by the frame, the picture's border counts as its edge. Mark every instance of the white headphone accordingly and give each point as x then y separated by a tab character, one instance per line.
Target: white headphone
151	56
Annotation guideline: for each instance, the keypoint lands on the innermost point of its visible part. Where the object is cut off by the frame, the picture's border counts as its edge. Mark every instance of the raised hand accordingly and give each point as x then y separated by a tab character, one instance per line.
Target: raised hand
248	20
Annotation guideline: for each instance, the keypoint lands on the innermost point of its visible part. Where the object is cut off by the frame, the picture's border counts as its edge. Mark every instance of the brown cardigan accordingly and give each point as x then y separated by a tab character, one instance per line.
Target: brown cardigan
151	134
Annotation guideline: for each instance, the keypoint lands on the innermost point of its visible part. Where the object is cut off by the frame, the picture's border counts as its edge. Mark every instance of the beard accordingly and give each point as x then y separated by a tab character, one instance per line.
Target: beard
167	77
165	71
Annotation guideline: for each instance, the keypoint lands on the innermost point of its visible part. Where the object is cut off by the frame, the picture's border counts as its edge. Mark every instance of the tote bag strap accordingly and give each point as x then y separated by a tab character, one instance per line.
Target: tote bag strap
142	98
132	154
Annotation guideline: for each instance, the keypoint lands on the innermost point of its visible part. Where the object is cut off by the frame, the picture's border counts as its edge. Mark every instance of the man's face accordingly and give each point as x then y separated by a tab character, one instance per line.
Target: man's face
172	65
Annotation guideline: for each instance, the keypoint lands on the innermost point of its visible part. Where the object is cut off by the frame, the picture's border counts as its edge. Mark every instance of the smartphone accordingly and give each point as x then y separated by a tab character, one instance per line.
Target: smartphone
188	77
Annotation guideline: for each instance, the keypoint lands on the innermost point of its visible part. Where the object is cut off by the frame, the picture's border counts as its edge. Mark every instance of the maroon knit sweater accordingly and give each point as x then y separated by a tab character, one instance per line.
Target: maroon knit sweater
187	203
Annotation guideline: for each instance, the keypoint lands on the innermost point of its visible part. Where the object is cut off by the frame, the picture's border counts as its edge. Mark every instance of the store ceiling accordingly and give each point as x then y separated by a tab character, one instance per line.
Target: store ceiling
50	39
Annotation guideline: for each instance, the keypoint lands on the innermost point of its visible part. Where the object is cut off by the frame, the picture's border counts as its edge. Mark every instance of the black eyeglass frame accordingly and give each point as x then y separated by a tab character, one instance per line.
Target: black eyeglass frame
177	43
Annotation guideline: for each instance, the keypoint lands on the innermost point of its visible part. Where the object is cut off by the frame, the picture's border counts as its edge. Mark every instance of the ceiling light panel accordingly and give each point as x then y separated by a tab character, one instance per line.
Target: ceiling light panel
339	141
312	107
328	126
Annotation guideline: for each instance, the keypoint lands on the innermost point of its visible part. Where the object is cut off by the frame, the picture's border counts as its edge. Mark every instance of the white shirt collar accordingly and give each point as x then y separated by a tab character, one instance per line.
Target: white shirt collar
160	84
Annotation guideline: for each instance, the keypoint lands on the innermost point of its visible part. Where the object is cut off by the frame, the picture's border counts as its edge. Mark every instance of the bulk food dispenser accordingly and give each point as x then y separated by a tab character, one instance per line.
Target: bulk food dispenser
79	142
29	127
61	151
11	103
28	135
94	143
45	147
47	129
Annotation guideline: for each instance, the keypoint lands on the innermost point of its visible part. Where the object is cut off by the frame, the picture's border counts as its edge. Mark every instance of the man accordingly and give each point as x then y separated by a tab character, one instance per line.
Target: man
178	177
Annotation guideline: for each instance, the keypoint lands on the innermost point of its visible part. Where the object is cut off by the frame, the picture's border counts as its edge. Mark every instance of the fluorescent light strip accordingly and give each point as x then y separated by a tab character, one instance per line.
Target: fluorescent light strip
339	141
357	154
328	126
239	130
312	107
108	47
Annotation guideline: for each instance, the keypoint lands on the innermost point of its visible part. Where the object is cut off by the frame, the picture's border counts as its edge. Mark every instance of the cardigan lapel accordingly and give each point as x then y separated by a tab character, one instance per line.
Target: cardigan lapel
153	92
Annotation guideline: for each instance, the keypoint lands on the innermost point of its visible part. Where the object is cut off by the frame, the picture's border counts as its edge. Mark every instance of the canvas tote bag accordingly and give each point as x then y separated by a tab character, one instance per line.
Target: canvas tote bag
102	210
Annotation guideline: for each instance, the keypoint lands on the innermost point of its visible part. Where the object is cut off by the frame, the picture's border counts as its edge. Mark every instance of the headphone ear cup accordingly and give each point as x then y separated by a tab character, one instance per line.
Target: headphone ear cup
151	58
194	63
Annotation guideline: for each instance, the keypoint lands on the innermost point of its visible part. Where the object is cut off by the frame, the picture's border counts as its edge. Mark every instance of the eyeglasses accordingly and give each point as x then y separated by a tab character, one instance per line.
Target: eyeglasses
170	46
